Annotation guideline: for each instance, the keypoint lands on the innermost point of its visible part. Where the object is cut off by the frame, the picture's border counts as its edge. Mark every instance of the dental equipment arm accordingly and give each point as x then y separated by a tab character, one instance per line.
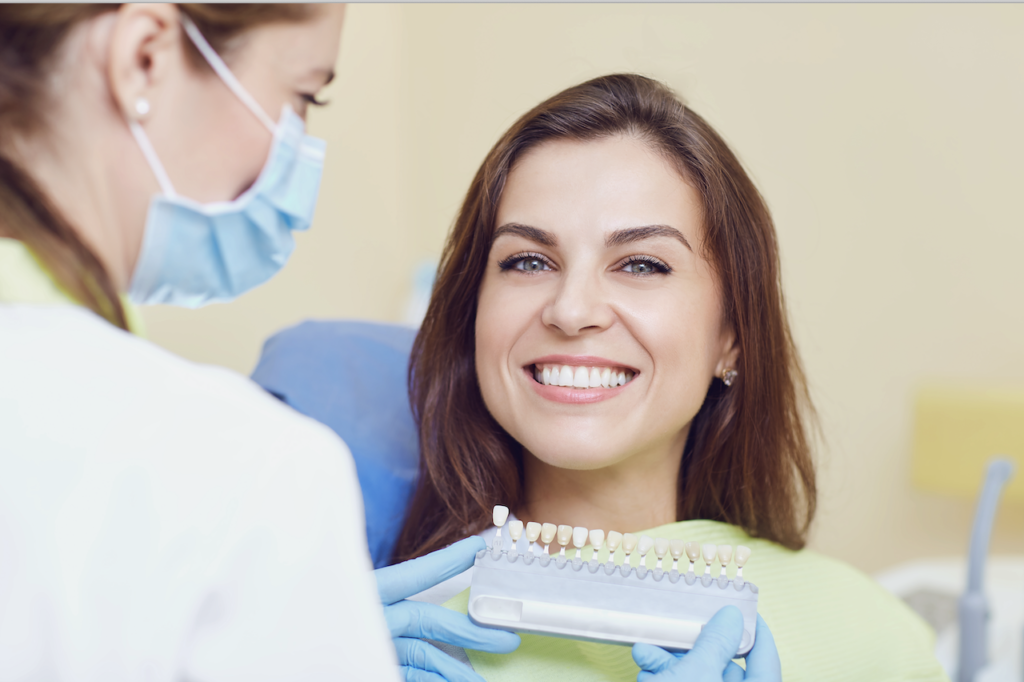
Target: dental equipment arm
411	622
973	604
710	658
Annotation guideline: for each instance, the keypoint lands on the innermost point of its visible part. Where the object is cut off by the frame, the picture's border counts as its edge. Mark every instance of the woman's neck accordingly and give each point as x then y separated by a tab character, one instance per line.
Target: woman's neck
635	494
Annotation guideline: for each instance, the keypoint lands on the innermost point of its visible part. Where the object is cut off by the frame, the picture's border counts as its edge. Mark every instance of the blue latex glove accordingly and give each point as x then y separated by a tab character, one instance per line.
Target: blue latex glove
710	659
411	622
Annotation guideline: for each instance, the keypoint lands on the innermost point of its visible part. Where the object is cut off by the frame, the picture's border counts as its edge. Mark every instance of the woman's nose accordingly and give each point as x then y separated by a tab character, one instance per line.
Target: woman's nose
579	305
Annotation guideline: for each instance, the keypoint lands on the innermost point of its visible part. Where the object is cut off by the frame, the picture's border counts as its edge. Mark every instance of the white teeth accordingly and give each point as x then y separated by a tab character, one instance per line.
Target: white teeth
581	377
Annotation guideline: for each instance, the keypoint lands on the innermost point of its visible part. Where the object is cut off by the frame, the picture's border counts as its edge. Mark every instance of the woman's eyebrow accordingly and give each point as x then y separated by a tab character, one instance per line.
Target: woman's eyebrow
635	234
534	234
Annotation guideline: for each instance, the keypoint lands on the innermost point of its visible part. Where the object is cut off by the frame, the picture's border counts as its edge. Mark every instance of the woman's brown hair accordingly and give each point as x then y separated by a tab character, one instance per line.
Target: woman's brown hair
31	38
747	458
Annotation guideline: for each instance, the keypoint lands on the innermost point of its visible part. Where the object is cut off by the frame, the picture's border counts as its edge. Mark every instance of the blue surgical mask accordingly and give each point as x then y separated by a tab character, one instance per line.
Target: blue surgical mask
193	253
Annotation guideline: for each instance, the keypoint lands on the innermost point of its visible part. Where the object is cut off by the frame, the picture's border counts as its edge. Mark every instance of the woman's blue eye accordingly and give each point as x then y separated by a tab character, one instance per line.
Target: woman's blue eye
640	268
525	262
645	266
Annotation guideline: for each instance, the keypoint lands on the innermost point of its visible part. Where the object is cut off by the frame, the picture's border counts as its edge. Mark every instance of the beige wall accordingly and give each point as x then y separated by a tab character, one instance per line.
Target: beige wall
886	138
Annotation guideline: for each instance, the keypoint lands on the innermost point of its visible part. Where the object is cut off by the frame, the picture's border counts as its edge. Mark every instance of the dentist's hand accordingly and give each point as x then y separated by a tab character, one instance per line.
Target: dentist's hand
411	622
710	659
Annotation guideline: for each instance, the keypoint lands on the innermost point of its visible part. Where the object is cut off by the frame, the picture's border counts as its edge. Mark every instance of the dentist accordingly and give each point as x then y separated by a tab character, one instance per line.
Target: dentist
161	520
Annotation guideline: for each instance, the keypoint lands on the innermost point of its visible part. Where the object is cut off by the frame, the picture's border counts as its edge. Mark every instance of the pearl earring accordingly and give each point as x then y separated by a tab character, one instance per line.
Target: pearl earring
729	376
141	106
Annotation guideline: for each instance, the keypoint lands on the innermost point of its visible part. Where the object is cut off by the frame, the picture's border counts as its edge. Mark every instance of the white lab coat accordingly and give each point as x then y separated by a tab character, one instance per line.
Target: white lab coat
166	521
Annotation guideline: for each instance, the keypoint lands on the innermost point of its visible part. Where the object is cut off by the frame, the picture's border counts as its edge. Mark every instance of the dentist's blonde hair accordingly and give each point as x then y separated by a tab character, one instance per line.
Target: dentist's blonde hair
747	458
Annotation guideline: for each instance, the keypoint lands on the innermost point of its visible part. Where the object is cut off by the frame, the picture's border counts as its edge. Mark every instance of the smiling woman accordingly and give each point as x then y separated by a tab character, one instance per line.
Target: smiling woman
610	229
607	347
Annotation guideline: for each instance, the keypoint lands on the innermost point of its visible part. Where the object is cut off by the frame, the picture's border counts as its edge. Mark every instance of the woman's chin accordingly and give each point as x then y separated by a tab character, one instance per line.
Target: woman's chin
577	457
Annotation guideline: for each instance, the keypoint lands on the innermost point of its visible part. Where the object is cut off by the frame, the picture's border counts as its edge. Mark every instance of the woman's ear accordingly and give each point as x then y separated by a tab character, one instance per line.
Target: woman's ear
145	43
730	352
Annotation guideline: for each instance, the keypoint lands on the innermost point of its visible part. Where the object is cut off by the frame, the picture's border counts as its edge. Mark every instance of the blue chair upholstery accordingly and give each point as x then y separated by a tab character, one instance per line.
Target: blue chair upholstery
351	376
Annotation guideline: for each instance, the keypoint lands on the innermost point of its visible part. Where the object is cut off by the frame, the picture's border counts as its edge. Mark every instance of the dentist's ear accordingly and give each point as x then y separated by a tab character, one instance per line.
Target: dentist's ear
146	45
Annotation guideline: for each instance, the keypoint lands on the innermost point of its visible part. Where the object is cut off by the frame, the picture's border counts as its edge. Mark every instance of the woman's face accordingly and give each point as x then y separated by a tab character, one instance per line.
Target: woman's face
595	274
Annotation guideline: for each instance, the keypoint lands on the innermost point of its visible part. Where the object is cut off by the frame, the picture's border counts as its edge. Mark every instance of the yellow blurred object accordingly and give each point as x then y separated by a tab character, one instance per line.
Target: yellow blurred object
957	429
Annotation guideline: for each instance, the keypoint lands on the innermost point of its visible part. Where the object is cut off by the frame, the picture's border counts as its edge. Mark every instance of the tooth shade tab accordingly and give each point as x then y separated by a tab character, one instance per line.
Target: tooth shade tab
515	529
564	535
614	540
547	534
532	531
596	540
708	552
645	546
677	548
629	543
660	549
500	515
724	555
579	537
693	551
742	555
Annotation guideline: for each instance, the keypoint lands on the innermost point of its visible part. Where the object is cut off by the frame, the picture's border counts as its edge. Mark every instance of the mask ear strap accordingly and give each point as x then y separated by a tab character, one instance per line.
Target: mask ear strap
154	161
222	70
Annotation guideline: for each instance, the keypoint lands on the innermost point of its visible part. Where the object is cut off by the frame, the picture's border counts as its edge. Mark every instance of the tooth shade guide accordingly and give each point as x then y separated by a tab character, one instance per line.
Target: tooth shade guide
562	599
